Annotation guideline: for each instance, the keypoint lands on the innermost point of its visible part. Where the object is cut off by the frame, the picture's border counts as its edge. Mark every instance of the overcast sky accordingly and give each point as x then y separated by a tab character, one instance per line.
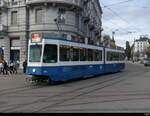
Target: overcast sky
129	18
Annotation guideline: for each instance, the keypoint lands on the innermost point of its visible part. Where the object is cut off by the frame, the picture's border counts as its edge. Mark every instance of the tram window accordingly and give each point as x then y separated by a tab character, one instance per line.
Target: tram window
83	54
109	56
121	55
35	53
50	54
90	55
114	56
100	55
64	53
96	55
75	54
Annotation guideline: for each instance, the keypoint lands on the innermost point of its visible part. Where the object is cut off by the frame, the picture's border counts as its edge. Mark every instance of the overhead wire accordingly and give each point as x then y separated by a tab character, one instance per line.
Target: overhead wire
116	14
117	3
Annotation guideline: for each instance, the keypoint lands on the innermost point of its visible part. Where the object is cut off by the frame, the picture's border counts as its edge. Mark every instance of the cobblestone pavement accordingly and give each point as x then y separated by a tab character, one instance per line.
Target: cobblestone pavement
127	91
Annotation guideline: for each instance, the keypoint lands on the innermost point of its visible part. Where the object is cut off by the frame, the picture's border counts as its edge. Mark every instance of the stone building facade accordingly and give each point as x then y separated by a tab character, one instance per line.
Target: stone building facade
76	20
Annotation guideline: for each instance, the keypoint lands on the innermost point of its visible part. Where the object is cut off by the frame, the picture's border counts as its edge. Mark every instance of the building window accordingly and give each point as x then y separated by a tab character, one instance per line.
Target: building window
14	2
0	18
77	20
39	16
14	18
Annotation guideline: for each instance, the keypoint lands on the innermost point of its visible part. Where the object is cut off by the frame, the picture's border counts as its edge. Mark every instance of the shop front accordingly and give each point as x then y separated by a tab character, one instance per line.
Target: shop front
15	48
15	55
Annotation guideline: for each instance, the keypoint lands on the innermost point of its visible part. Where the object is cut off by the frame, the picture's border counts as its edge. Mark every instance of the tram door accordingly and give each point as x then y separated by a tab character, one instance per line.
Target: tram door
15	55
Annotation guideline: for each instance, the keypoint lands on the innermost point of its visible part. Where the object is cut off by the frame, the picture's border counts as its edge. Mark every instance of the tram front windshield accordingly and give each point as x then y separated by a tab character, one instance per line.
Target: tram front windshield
50	54
35	53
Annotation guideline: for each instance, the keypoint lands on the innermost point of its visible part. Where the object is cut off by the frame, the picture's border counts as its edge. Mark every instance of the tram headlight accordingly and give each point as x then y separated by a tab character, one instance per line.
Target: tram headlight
34	70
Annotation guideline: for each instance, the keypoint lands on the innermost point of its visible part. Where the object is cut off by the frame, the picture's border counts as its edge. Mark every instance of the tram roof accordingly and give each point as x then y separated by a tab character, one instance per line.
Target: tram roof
63	39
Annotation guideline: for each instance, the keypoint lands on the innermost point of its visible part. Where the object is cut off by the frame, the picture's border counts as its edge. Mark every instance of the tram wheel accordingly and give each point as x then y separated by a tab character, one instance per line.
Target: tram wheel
50	82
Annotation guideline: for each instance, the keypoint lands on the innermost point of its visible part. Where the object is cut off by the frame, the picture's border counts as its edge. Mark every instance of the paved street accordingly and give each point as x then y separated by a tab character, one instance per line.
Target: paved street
127	91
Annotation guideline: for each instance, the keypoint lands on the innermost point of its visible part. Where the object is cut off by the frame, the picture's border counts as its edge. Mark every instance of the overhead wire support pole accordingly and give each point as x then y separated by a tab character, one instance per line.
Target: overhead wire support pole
57	21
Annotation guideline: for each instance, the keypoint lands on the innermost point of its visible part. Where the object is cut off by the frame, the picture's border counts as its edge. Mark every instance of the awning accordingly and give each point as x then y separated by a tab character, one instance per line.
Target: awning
1	49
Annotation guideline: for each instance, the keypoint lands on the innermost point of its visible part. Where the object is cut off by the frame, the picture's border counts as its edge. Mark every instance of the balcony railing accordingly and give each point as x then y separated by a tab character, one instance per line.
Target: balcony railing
3	28
70	2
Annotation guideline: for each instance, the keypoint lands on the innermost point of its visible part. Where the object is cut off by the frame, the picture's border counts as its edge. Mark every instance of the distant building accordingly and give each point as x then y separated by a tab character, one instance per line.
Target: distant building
107	41
75	20
140	47
141	44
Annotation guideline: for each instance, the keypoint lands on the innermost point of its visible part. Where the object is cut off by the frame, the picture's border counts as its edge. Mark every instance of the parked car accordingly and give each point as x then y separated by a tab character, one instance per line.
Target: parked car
146	62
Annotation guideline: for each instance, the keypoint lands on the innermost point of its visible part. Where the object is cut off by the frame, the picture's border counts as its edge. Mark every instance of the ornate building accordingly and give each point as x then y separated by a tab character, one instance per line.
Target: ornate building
76	20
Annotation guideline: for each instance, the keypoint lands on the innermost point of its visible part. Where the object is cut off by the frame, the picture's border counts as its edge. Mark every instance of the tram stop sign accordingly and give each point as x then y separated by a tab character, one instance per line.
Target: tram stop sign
36	38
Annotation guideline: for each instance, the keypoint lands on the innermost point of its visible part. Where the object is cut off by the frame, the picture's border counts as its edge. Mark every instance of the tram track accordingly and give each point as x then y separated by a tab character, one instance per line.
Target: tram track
74	90
82	94
20	89
68	92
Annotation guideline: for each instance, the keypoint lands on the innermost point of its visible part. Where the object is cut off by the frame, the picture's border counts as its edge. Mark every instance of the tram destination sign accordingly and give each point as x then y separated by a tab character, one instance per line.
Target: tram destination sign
36	38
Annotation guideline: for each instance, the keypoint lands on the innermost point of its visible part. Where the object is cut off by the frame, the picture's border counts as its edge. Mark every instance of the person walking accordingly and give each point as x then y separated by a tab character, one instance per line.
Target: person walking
24	66
15	67
11	67
1	67
5	67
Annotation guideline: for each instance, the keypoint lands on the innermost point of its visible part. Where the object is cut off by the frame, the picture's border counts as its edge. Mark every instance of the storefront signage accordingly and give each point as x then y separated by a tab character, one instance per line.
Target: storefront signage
36	38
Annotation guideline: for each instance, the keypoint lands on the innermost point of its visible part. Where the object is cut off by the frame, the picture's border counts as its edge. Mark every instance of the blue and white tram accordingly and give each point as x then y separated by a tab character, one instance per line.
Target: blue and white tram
57	59
114	60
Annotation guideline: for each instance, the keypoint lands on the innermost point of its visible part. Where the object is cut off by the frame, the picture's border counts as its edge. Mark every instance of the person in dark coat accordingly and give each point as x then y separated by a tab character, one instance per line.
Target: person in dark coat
5	67
24	66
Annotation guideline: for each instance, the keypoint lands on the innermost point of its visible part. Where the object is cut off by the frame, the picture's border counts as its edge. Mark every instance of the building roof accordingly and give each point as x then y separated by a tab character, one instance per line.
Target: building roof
142	39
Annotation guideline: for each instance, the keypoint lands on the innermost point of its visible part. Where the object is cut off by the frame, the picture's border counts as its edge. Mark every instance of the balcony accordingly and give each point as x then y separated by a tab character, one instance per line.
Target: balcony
3	28
76	3
86	17
3	4
92	25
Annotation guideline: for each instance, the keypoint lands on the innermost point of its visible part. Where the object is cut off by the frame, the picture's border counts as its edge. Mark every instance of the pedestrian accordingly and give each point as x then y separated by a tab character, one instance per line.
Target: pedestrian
5	67
11	67
133	60
24	66
15	67
1	67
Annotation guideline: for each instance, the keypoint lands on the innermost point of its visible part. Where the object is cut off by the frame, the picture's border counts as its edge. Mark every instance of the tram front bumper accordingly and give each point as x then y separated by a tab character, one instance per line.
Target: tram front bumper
34	71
